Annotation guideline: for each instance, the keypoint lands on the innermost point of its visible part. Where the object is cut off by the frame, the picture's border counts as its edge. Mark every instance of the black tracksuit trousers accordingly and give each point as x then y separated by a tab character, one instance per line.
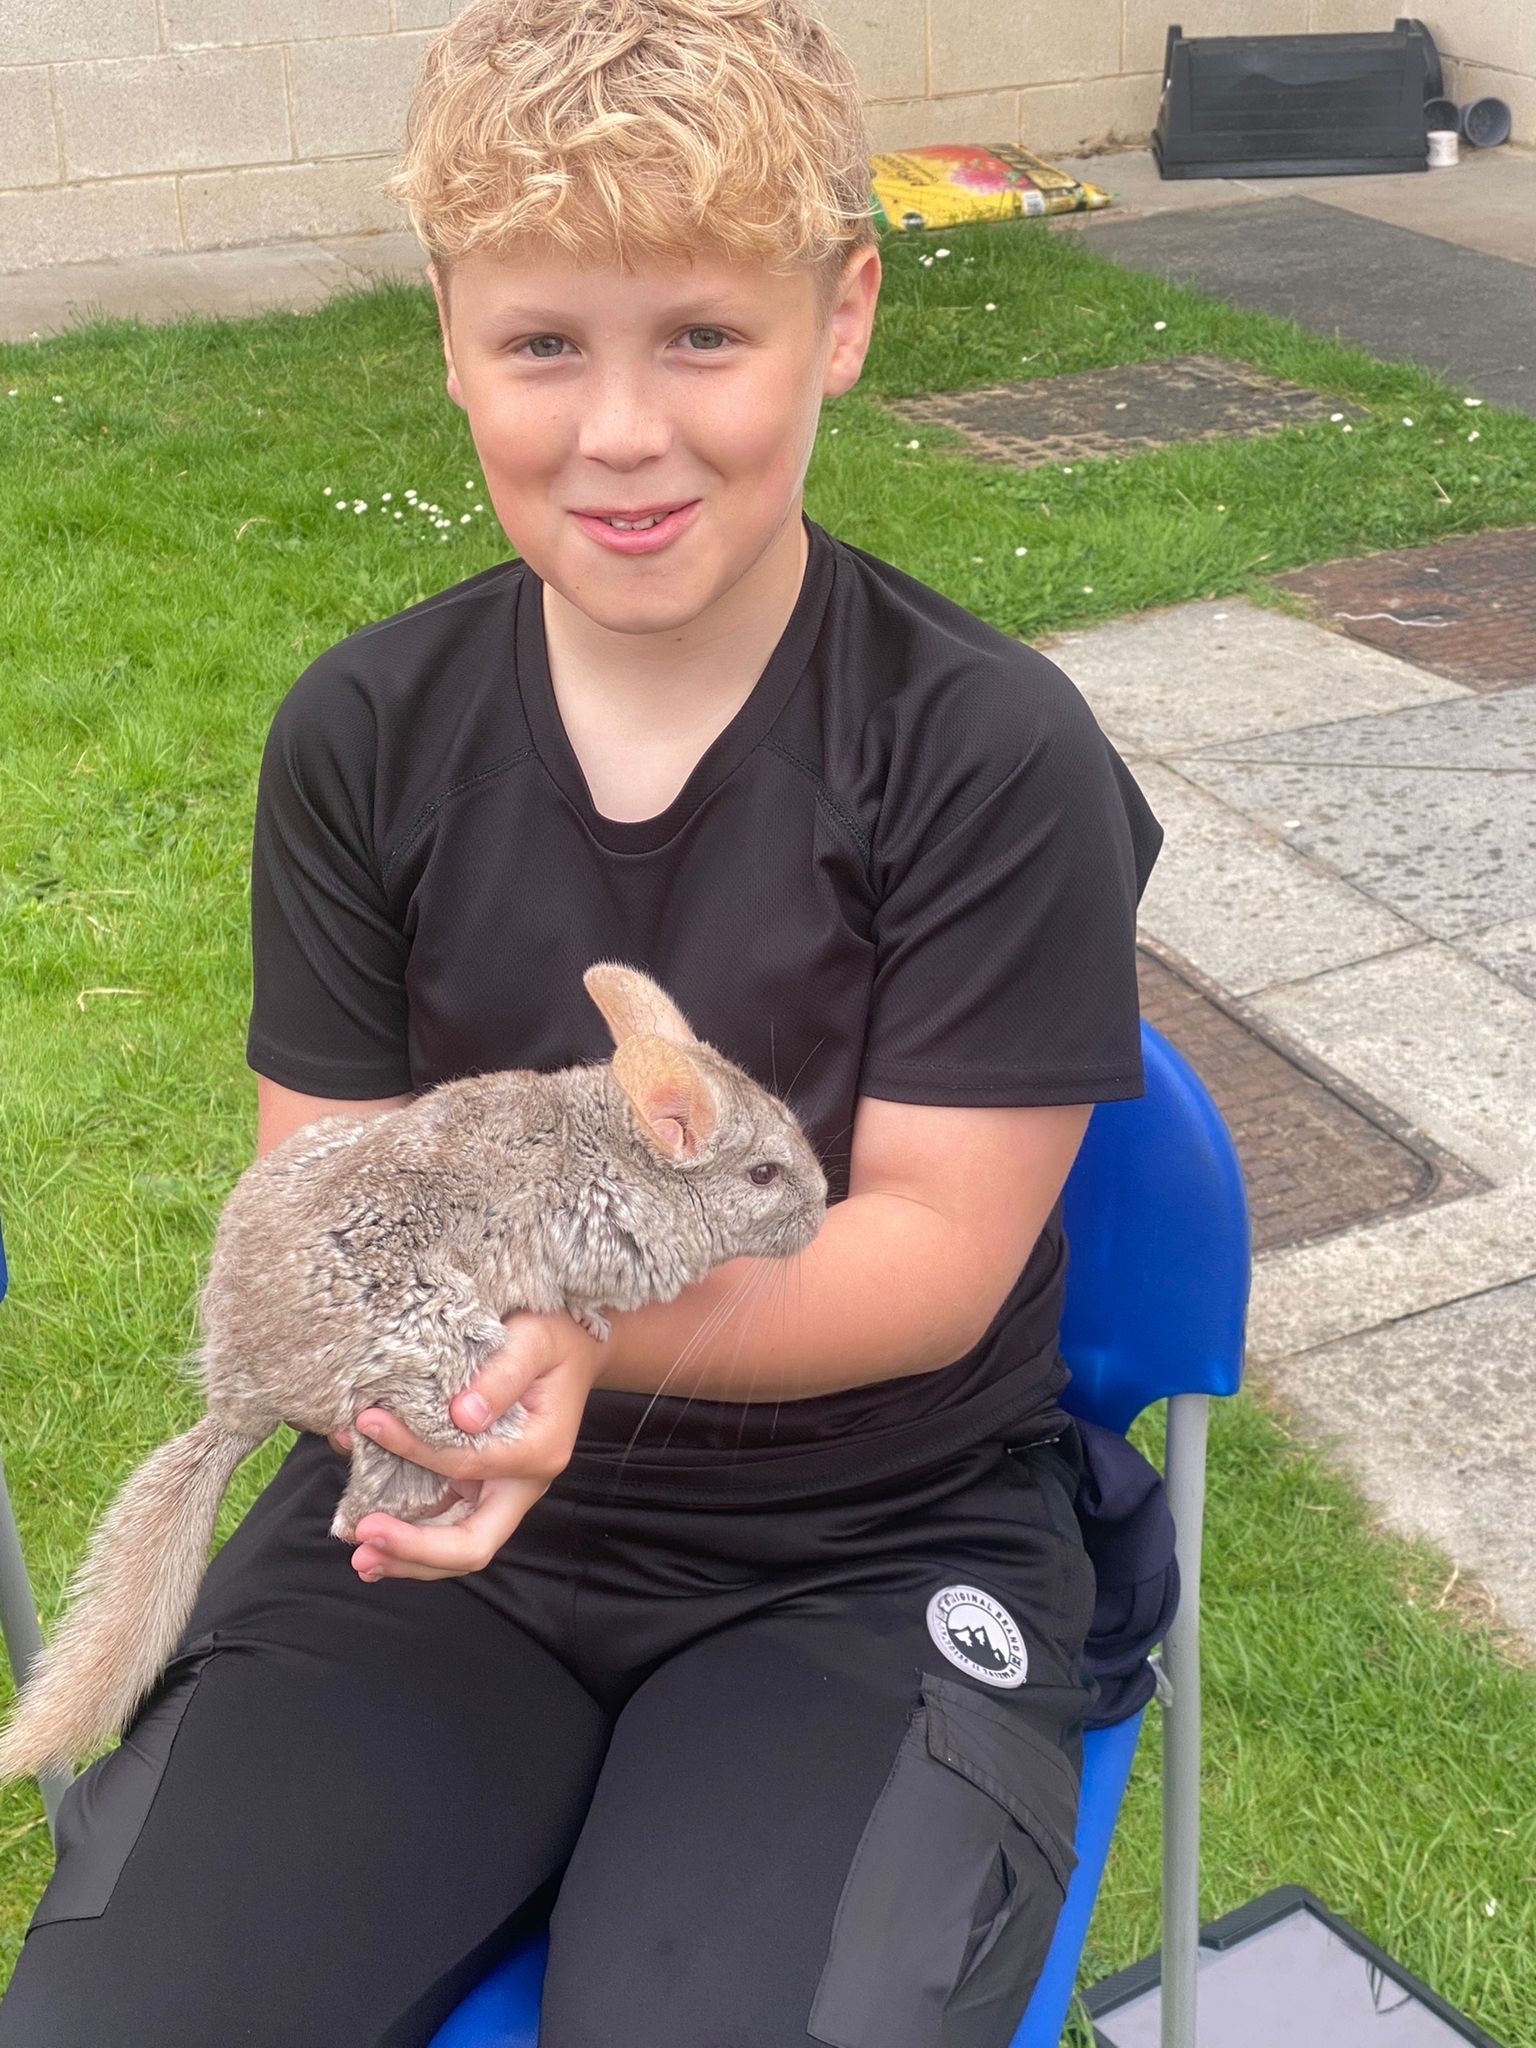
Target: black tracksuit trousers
798	1771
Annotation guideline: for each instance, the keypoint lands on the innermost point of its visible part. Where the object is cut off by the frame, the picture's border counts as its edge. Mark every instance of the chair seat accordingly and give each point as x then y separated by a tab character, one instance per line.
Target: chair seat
503	2010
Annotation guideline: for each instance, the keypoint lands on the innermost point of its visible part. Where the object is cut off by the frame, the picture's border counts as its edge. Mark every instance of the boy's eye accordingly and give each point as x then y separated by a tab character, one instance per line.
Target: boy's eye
716	337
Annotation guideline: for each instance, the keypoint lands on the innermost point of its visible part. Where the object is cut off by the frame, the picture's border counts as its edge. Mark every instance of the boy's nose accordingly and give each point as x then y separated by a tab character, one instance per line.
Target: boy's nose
621	423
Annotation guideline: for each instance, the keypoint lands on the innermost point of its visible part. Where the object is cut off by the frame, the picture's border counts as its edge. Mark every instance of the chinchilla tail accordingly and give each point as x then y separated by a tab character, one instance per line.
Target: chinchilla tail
128	1603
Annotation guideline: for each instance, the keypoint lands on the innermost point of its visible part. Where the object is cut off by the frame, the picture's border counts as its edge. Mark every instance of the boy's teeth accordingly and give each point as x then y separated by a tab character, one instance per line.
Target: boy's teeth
635	525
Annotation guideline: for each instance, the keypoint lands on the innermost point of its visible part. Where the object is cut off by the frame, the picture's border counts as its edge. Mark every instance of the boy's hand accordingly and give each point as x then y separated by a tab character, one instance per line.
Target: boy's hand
550	1363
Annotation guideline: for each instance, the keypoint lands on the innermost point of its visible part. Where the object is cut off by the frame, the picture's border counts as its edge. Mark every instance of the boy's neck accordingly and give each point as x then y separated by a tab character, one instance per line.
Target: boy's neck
679	686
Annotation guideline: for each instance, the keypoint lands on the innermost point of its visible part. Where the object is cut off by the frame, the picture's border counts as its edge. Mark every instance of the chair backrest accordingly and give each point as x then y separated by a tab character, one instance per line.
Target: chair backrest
1158	1248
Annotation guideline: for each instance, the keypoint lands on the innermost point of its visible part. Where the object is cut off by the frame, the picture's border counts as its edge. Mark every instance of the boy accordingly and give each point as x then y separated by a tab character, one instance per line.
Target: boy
764	1647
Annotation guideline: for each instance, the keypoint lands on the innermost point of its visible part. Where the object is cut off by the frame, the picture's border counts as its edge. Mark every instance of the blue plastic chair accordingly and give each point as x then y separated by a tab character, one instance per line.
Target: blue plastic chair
1156	1220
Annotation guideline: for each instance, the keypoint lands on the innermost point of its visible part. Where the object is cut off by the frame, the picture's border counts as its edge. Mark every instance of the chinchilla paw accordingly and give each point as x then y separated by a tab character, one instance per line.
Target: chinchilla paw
510	1426
593	1320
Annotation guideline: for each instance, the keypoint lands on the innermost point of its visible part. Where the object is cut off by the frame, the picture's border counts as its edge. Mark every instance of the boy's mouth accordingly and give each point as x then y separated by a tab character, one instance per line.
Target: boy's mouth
640	532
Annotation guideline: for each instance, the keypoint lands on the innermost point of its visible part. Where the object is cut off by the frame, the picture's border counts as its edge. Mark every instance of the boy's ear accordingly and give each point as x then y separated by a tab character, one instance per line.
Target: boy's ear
442	320
851	322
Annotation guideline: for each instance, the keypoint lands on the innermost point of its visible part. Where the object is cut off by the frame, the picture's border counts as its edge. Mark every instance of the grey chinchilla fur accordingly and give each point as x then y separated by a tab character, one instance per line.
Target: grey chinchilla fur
369	1260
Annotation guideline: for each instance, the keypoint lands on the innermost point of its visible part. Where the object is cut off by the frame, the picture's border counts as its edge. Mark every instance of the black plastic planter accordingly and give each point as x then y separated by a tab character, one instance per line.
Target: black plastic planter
1283	106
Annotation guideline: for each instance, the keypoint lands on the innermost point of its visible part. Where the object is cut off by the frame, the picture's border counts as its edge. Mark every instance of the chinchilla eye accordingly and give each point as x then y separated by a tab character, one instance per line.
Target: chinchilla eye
765	1171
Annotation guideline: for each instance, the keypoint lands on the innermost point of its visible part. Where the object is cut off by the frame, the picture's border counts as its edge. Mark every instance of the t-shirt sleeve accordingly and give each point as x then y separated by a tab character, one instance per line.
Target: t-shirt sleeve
1009	871
328	960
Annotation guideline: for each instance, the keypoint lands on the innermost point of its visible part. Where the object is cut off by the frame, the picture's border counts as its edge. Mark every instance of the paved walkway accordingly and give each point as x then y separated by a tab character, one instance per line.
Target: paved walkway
1351	862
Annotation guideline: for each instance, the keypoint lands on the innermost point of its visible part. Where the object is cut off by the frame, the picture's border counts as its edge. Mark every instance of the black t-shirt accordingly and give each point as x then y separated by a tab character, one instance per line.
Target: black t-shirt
908	867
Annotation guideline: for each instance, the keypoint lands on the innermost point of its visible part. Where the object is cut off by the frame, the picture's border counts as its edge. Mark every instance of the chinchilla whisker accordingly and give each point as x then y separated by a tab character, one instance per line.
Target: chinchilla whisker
754	1285
713	1321
789	1091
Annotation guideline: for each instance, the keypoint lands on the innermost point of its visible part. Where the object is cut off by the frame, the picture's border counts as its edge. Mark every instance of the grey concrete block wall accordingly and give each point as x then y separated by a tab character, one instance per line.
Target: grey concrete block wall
140	127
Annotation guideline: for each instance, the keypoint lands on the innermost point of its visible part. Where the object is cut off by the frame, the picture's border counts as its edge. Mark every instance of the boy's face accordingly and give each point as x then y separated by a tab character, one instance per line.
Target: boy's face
592	390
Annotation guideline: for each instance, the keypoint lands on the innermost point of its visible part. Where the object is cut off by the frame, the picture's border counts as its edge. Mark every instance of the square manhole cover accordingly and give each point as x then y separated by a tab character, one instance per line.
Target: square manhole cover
1313	1163
1040	420
1465	608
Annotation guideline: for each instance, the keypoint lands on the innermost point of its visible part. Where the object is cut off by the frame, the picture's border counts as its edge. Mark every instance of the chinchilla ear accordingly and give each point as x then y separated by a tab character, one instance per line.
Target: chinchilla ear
673	1098
631	1002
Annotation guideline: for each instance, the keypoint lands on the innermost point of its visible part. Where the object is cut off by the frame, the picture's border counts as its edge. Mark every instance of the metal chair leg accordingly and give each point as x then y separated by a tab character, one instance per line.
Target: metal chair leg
1184	1477
23	1637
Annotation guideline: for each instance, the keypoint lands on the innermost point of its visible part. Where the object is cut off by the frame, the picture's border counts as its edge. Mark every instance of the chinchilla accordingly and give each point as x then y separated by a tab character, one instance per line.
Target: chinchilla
370	1260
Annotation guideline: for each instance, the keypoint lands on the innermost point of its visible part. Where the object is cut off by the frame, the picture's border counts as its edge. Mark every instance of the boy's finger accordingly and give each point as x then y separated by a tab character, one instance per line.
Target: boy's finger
391	1549
506	1375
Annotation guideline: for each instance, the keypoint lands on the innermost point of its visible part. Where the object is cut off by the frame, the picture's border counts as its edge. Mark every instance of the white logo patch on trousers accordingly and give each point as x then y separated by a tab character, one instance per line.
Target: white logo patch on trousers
978	1635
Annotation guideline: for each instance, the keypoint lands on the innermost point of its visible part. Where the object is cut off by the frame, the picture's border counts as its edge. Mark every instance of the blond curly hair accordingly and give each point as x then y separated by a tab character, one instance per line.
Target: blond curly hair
624	128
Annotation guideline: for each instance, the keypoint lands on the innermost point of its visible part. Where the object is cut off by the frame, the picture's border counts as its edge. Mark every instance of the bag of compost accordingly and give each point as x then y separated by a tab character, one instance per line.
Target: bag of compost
947	184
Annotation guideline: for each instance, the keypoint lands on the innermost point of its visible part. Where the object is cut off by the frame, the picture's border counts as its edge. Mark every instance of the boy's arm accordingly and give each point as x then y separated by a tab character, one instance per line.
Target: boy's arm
944	1205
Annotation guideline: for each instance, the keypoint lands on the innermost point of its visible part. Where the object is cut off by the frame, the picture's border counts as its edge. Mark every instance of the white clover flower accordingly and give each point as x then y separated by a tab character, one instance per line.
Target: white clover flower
989	307
976	558
479	508
399	515
326	492
1335	417
464	518
360	506
1087	590
1471	401
941	252
1021	551
386	497
1066	469
914	444
469	486
1158	326
340	505
410	494
1348	429
56	399
12	392
831	430
1474	435
1406	421
1490	1907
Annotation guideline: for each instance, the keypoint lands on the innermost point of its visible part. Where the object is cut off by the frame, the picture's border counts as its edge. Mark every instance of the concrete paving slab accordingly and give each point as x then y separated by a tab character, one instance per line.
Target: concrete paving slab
1376	1274
231	284
1434	1417
1448	1046
1451	849
1490	732
1508	950
1171	681
1403	295
1245	910
1133	181
1487	202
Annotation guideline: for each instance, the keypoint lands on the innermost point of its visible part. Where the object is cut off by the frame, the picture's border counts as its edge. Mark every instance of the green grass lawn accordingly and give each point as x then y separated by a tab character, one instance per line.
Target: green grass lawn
173	562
